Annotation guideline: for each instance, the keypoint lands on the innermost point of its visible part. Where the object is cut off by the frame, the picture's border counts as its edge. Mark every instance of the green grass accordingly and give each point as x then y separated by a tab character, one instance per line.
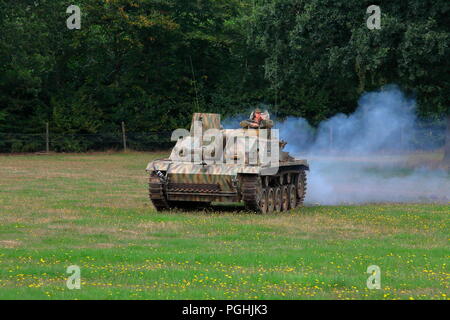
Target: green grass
92	211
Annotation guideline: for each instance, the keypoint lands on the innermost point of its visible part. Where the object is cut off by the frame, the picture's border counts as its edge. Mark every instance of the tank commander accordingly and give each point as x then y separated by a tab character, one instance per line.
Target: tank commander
258	120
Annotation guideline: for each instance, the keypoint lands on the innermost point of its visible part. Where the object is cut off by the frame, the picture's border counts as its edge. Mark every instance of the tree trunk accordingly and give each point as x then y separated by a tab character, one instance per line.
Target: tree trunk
447	142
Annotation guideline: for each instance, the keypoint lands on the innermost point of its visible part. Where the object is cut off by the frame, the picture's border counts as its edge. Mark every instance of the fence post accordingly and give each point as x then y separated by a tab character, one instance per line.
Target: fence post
47	138
124	137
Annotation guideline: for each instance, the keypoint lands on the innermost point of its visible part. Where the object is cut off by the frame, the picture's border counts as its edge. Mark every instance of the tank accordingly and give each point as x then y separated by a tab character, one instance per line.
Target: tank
211	164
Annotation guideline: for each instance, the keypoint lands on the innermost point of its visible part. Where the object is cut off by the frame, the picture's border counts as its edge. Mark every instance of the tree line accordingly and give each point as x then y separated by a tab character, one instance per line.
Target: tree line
152	63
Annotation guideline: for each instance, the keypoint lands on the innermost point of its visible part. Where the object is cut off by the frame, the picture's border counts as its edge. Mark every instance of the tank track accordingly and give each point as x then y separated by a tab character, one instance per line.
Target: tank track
156	194
159	199
251	189
301	192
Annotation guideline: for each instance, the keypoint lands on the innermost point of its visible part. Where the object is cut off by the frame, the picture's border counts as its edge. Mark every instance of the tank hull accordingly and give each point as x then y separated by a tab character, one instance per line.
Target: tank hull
189	182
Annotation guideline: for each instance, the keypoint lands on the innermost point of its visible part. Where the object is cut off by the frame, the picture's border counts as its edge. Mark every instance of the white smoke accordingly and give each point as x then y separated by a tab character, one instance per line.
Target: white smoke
360	158
383	120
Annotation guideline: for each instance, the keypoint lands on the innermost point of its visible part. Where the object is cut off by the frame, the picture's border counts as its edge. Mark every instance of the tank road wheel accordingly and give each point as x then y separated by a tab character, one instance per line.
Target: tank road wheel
253	194
278	199
270	200
292	196
156	194
300	184
284	198
263	201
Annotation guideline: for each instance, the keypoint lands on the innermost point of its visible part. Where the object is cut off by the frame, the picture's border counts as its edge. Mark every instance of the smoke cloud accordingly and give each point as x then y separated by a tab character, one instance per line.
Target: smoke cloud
363	157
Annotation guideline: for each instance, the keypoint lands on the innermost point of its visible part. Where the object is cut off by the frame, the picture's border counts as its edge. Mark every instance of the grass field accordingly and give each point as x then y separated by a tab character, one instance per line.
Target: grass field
93	211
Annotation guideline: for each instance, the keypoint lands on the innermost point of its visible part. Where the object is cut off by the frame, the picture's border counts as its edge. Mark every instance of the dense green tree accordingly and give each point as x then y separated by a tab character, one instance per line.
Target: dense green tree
320	55
151	63
148	63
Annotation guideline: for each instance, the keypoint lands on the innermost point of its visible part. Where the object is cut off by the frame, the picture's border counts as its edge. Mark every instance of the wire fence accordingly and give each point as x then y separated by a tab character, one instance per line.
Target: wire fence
62	142
422	138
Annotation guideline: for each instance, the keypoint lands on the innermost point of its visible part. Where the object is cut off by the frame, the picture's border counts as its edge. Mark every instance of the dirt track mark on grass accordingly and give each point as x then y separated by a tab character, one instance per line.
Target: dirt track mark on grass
138	231
318	225
157	226
10	244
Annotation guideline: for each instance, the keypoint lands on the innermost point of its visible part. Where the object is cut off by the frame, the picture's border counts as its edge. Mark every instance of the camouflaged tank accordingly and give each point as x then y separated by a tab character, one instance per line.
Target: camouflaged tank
211	164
